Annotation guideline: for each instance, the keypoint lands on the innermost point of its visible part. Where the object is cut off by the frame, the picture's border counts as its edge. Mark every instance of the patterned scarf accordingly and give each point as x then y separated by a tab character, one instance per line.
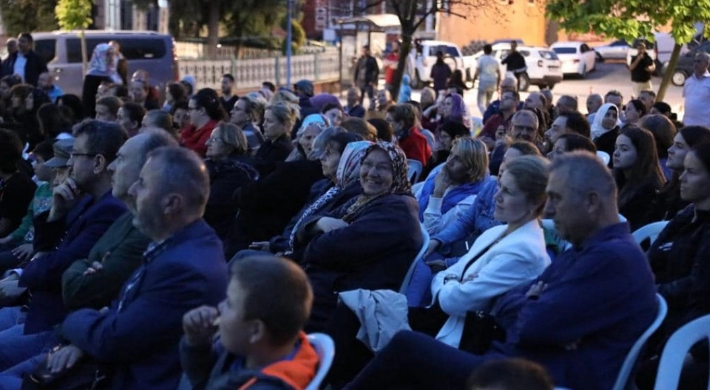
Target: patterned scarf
348	172
400	180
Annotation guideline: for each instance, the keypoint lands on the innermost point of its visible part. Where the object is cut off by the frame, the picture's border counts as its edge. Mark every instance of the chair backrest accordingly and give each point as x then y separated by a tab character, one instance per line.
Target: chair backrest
650	231
604	156
677	348
325	348
549	226
420	255
429	138
415	170
622	380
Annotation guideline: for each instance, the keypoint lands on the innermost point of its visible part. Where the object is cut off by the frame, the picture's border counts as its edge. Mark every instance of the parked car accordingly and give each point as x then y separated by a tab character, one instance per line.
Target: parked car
544	67
426	57
577	57
615	50
145	50
684	67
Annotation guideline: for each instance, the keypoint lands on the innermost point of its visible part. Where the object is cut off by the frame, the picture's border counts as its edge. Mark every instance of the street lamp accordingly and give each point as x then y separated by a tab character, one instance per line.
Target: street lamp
289	33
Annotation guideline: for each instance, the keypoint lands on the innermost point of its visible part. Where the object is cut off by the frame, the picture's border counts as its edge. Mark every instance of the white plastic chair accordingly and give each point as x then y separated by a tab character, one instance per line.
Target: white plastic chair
549	225
420	255
677	348
415	170
650	231
325	348
622	380
604	156
429	138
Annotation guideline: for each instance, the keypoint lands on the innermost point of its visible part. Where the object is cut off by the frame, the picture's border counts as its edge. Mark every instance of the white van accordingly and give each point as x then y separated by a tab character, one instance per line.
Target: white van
145	50
426	57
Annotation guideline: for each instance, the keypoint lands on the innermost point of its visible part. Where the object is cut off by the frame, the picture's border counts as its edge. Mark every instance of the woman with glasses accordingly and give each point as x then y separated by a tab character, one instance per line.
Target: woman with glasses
229	169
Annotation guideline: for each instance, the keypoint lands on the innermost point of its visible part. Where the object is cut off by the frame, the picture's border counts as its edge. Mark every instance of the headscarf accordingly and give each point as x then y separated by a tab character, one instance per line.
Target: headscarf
318	119
458	107
597	129
103	65
453	196
400	179
323	99
348	172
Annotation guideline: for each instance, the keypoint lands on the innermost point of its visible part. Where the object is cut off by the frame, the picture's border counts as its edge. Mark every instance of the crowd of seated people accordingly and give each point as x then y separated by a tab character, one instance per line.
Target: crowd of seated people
149	240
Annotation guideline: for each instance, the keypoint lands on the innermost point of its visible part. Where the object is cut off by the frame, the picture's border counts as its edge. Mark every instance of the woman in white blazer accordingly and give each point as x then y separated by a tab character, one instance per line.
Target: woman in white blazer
503	257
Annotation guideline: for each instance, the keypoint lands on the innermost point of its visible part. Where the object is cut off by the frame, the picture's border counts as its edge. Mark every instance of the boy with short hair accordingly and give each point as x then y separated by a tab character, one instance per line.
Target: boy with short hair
259	324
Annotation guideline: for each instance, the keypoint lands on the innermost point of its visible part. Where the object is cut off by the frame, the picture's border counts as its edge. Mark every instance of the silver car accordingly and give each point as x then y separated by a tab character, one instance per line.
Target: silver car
613	51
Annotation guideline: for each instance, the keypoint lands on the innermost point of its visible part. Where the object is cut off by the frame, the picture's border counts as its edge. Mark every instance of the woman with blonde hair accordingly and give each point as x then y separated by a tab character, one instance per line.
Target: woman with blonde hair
279	118
452	187
229	169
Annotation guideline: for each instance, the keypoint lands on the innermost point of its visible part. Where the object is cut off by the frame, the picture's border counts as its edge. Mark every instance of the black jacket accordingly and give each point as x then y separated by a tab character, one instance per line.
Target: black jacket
374	252
266	206
225	178
34	67
271	153
372	70
606	143
642	207
679	259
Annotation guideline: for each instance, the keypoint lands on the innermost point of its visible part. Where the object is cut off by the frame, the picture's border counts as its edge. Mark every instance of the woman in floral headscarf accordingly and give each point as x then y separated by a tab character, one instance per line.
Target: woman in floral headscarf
369	243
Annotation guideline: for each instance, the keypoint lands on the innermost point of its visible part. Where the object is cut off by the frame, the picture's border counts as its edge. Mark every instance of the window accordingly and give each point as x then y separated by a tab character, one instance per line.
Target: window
132	48
548	55
46	48
565	50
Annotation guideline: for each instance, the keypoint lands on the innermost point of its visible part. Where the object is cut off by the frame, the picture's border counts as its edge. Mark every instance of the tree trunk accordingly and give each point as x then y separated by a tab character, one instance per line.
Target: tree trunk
213	29
669	73
404	48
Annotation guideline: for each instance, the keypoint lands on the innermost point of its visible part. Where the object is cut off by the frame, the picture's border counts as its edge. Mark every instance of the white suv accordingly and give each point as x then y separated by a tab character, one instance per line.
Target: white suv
544	67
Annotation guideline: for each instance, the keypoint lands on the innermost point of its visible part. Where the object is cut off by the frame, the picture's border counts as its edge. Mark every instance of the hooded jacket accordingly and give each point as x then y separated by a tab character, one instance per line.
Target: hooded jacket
214	368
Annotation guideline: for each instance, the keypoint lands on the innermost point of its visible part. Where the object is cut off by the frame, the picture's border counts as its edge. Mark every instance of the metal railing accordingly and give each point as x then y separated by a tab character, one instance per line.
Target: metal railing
321	67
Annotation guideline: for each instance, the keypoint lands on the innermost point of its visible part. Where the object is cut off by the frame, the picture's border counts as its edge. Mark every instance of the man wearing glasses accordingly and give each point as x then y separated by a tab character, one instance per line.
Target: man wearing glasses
696	93
82	210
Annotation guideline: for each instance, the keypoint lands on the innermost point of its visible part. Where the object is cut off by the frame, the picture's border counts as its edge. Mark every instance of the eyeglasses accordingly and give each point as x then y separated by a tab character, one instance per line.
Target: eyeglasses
214	139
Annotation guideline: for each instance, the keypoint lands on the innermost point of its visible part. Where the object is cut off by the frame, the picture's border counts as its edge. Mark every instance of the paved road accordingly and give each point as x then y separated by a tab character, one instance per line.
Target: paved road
605	77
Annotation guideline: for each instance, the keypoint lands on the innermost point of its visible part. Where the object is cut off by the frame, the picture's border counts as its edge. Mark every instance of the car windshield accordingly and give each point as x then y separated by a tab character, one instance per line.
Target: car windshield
548	55
565	50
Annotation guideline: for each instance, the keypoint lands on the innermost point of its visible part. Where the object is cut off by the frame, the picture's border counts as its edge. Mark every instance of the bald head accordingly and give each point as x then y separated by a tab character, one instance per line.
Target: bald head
594	101
536	100
509	84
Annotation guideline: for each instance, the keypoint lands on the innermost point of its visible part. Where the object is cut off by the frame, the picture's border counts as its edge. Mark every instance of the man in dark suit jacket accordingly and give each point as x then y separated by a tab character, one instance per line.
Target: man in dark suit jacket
25	62
183	268
82	209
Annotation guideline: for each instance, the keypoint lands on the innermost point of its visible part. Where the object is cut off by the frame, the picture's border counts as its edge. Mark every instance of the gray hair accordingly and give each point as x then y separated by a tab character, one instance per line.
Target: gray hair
183	172
322	140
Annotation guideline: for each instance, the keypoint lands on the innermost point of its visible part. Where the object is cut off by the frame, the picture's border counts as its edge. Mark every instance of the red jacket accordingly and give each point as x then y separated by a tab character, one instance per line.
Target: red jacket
196	139
415	146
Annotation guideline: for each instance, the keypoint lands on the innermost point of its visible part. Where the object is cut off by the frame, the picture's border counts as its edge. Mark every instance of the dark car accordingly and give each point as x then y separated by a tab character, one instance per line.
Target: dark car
684	68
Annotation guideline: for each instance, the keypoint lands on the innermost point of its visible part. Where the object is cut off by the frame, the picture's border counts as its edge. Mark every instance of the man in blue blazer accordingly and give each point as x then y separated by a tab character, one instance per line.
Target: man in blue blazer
184	267
82	209
579	319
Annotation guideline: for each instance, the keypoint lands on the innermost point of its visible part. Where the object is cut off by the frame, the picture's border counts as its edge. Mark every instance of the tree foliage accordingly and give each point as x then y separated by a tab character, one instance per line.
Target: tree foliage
246	20
73	14
631	19
28	15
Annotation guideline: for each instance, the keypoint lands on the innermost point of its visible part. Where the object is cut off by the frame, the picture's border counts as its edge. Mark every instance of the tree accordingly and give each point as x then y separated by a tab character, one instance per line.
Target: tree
28	15
298	35
631	19
75	15
413	13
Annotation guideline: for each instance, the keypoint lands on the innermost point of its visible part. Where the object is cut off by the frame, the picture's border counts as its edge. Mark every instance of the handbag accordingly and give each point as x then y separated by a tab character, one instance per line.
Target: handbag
85	375
480	329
